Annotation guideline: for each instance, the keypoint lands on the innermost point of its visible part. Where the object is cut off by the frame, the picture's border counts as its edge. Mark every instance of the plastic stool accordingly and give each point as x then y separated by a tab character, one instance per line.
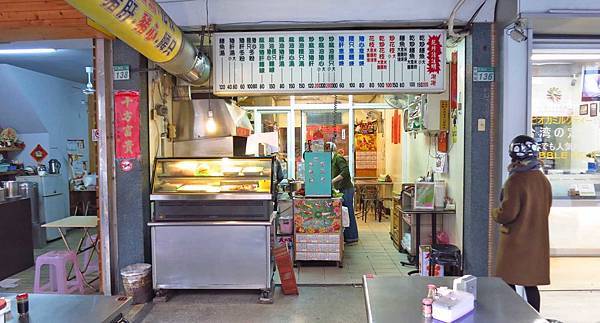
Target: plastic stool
448	256
93	266
57	262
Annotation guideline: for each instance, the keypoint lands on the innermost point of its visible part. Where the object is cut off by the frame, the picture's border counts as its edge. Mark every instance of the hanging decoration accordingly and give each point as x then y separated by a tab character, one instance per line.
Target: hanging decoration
127	124
396	127
39	153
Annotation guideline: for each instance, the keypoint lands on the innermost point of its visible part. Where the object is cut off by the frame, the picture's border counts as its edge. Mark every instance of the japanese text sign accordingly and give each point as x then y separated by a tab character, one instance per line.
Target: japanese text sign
127	124
370	61
142	24
554	136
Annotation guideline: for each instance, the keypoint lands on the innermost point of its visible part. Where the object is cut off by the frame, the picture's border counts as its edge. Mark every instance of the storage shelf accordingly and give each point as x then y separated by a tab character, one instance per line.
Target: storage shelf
10	149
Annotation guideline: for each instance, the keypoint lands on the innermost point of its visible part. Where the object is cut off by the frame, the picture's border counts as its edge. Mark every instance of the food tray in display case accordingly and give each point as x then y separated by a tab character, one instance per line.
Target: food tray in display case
248	177
206	189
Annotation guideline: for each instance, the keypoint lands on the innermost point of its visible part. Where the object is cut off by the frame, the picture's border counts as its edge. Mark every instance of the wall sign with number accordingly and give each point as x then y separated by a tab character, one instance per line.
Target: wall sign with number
389	61
483	74
121	72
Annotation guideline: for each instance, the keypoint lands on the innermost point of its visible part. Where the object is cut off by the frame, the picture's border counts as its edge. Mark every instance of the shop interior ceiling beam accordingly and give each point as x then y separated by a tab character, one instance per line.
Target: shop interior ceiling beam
552	17
22	20
144	26
325	14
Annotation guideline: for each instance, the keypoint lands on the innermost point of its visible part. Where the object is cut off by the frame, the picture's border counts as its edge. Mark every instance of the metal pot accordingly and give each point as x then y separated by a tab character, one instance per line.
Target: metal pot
296	186
54	166
12	188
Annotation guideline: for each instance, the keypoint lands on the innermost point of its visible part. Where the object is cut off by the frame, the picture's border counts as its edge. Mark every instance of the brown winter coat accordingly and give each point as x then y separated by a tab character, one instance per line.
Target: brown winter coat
524	248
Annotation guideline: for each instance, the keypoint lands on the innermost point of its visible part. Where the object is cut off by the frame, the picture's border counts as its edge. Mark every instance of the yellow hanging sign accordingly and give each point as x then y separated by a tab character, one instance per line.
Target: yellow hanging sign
444	115
142	24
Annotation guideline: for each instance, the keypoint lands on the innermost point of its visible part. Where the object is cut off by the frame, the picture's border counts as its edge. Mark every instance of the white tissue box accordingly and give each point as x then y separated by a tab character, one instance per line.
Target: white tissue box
453	306
466	283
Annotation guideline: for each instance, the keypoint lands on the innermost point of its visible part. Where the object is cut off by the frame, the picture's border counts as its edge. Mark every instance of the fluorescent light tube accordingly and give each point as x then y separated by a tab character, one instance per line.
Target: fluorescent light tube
28	51
565	57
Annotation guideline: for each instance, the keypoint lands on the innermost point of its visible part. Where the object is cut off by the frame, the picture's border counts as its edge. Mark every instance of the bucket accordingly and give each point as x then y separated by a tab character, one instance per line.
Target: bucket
286	226
137	281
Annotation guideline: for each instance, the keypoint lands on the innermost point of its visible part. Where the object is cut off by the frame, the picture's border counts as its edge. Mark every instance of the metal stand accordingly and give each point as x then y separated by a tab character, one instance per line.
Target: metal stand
93	247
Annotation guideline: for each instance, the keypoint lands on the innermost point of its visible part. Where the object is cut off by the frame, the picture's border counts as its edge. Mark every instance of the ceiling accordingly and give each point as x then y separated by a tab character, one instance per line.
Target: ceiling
68	62
246	14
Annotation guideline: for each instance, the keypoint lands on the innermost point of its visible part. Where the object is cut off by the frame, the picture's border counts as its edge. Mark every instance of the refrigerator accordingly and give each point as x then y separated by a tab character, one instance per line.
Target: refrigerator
53	199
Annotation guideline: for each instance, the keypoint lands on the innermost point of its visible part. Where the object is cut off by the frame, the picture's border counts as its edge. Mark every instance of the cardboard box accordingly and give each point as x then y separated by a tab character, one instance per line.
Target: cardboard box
286	270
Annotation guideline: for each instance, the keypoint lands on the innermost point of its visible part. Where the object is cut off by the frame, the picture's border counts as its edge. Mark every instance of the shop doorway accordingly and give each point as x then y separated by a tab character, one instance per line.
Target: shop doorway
564	121
361	126
49	116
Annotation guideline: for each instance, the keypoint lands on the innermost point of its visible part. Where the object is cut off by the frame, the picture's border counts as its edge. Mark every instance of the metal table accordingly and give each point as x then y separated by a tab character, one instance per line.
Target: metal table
79	222
398	299
418	213
45	308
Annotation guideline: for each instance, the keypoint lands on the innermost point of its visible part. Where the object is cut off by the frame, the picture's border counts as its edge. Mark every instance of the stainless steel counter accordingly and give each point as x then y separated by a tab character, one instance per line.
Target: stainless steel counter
212	255
398	299
44	308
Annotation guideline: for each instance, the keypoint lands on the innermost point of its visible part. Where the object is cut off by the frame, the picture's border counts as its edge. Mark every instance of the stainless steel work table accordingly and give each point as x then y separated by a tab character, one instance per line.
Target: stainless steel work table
213	255
398	299
46	308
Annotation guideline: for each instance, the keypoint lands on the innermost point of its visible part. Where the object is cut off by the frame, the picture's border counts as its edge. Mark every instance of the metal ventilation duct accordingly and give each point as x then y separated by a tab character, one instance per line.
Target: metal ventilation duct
146	27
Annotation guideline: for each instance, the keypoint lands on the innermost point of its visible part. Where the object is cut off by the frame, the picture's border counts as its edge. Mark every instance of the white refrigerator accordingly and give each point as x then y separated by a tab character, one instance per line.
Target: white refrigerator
53	199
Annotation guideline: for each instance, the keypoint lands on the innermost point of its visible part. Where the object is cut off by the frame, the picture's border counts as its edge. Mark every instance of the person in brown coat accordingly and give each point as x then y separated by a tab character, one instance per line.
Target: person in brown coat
524	249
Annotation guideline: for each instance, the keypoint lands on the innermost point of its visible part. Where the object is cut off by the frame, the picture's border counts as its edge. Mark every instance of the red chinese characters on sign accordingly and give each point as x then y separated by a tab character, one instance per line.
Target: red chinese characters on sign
434	55
127	124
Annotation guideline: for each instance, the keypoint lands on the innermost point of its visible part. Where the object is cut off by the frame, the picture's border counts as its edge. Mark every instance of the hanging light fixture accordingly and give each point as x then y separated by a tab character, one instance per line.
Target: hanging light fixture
211	125
89	87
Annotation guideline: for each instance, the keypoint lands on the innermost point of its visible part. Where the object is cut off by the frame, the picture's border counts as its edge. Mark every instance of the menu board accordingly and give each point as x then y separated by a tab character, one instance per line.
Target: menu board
370	61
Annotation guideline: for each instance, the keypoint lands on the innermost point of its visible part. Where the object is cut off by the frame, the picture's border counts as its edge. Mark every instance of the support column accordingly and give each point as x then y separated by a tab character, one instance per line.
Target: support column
133	187
106	171
478	147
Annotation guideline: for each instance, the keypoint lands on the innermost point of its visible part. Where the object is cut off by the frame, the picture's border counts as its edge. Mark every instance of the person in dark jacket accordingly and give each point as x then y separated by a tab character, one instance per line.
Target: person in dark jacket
342	181
524	248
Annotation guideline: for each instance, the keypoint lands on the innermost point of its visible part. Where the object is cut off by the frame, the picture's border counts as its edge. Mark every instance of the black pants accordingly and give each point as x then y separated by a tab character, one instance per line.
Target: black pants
533	296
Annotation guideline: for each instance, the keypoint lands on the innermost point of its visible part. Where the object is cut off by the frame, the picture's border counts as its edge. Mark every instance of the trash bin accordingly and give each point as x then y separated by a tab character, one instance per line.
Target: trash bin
137	280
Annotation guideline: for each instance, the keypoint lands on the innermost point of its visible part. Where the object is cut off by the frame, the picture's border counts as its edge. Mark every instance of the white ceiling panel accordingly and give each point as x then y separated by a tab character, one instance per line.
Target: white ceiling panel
192	13
68	62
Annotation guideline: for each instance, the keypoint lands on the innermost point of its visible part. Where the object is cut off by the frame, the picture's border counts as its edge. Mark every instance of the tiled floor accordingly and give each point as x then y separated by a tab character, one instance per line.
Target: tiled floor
26	277
574	273
571	307
373	254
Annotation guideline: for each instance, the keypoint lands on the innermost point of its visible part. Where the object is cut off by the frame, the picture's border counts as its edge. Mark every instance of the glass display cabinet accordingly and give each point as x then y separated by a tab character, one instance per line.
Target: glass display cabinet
238	188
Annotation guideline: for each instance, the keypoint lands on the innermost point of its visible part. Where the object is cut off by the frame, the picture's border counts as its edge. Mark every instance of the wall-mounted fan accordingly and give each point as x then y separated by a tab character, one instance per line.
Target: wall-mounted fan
399	101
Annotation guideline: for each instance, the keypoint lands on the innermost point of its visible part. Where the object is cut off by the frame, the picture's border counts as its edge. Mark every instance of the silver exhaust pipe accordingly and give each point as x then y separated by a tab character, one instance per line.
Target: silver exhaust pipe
146	27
